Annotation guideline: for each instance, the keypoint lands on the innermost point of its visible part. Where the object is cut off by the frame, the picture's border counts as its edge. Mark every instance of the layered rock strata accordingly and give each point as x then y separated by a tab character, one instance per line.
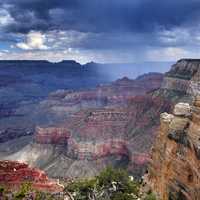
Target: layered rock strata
111	124
184	77
14	174
174	170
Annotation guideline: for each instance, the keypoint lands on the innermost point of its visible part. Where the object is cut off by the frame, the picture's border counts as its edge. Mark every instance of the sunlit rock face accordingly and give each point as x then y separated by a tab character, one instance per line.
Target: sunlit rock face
184	77
14	174
174	172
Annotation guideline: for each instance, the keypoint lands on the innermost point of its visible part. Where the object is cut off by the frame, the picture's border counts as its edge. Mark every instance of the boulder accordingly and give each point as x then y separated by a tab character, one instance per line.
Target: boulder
165	117
182	109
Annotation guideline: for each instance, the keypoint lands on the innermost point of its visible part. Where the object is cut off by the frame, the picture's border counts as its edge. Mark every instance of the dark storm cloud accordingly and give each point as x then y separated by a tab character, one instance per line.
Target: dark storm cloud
100	15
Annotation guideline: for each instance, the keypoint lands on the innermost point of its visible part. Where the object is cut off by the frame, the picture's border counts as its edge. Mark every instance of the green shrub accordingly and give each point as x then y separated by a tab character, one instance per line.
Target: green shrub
24	189
39	195
150	196
82	188
114	183
119	176
123	196
2	189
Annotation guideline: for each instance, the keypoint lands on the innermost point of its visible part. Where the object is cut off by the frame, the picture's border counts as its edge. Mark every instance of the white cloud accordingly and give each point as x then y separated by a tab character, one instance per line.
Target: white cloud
179	37
171	54
35	41
5	18
65	39
53	56
175	36
51	40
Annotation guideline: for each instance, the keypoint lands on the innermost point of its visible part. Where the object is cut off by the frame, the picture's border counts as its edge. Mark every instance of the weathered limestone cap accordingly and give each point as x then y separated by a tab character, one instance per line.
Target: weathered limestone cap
167	117
182	109
197	101
179	123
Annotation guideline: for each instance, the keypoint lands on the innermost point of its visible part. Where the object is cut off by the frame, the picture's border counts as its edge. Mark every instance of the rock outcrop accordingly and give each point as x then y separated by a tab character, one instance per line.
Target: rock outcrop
184	77
14	174
174	170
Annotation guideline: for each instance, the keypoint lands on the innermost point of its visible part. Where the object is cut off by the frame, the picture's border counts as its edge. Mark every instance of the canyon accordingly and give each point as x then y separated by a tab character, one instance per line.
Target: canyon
112	124
99	127
24	84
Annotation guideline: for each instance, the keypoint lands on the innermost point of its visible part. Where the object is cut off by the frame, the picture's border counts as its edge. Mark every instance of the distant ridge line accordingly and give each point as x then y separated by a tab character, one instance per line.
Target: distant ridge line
189	60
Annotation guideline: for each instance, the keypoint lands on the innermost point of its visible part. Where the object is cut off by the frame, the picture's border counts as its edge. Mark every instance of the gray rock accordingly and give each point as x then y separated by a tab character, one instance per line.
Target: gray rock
182	109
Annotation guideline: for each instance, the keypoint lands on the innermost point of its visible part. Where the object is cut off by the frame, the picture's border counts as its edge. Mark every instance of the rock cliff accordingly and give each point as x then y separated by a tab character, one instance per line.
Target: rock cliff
13	174
184	77
174	170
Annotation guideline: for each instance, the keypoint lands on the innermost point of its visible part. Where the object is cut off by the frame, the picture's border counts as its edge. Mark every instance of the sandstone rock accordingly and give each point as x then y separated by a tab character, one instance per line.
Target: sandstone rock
183	77
182	109
178	123
197	101
165	117
13	174
176	84
174	171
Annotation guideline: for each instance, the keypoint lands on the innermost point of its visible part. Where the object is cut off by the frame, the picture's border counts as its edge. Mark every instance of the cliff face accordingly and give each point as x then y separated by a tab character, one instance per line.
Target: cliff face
97	133
183	77
13	174
174	170
110	95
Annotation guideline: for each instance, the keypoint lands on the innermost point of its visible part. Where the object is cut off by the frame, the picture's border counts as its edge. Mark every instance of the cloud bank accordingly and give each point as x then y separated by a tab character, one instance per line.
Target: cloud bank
106	31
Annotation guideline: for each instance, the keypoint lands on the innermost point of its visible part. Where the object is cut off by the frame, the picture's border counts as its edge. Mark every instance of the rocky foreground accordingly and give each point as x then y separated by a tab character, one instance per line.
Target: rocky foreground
13	174
174	171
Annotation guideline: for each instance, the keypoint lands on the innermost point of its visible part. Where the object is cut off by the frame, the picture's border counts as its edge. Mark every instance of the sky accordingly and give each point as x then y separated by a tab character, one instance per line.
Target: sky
107	31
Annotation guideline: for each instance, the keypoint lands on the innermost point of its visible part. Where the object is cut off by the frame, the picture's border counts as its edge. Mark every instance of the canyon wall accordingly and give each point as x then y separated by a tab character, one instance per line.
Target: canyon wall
174	170
184	77
108	125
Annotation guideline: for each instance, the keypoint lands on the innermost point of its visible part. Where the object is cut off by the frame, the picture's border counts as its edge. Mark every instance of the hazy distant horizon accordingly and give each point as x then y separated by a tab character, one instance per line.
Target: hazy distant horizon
92	61
112	71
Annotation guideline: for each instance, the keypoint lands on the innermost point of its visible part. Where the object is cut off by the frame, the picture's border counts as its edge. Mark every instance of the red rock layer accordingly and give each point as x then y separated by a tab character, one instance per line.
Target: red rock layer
116	93
52	135
13	174
97	133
